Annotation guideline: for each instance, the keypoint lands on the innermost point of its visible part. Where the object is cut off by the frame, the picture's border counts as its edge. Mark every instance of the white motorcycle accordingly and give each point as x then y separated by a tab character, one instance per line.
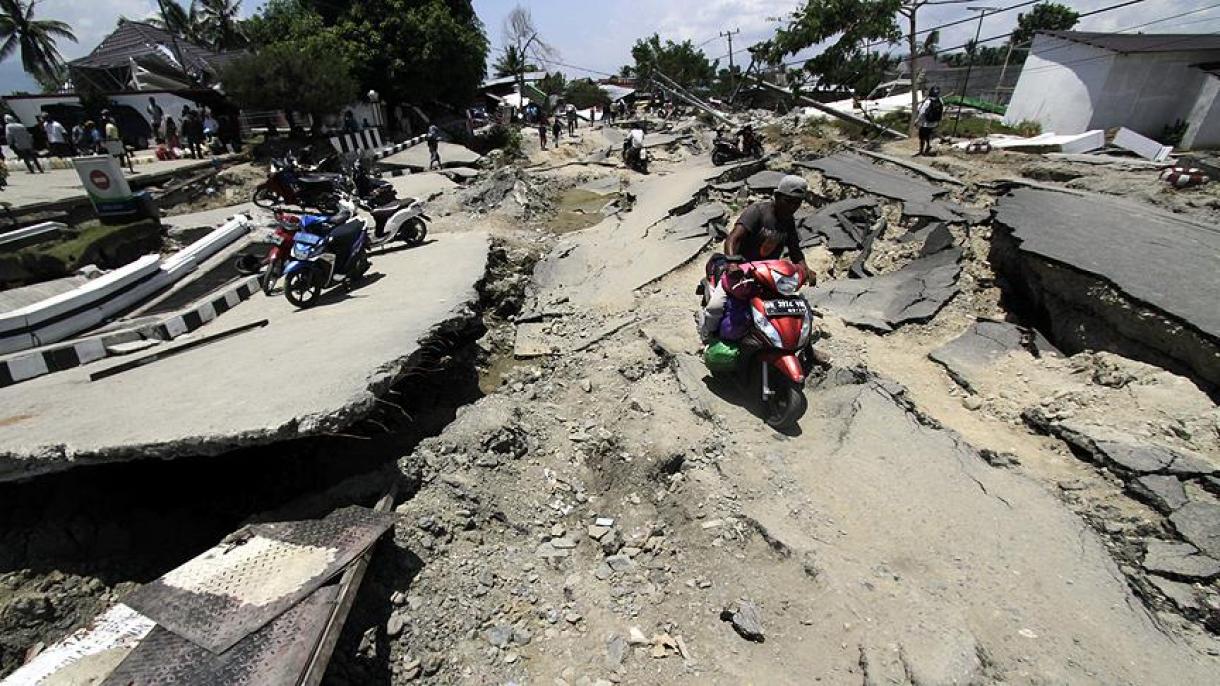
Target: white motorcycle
404	219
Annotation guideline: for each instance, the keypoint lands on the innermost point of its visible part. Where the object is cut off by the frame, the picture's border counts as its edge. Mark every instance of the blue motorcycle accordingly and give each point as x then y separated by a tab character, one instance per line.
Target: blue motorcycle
326	251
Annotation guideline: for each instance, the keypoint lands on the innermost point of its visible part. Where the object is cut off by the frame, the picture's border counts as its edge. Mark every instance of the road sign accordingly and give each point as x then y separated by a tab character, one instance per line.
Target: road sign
104	182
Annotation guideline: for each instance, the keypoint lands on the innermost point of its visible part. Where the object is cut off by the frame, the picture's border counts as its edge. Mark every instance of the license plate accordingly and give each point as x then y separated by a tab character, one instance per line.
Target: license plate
307	238
784	308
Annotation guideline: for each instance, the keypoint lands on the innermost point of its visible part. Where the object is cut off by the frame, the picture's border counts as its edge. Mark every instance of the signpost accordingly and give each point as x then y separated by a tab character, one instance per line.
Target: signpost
107	188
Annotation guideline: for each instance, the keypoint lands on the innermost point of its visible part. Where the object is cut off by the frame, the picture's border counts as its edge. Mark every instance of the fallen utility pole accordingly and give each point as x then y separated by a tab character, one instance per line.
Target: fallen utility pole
677	91
170	352
830	110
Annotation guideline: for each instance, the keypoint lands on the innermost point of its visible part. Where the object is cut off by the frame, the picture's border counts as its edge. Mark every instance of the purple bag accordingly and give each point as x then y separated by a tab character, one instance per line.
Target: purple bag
736	321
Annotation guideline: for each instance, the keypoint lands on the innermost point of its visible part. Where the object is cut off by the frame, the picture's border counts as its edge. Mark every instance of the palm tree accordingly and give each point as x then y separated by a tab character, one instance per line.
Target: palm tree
35	38
183	22
512	63
220	23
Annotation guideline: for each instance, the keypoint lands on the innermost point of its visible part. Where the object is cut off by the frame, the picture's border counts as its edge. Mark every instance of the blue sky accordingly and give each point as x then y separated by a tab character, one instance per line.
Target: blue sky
597	35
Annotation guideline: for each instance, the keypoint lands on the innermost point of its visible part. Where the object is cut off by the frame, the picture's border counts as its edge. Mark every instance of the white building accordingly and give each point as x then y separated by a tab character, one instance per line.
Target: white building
1074	81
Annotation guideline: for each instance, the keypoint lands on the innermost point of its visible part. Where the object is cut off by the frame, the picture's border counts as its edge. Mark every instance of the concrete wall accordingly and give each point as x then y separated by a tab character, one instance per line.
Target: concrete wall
1147	92
1059	84
1204	131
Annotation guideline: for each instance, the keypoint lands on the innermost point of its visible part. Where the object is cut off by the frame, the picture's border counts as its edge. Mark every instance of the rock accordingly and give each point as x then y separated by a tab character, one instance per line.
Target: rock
616	651
398	598
604	521
636	637
597	532
972	402
411	669
394	627
1180	561
521	636
1163	492
572	617
1073	485
499	636
746	620
432	663
1184	596
548	551
612	542
1199	523
620	563
563	543
587	385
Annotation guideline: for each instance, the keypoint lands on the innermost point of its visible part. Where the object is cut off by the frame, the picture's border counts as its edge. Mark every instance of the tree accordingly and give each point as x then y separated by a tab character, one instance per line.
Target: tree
220	26
1046	16
523	38
553	83
584	94
282	21
34	39
682	62
183	22
512	63
931	44
308	76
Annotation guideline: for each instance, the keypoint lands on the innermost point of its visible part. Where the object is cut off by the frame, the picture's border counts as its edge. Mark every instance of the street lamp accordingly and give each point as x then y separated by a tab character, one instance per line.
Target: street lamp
970	65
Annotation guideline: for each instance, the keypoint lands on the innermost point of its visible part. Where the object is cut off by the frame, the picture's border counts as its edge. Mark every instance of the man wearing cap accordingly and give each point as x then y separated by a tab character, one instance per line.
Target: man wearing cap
762	232
754	235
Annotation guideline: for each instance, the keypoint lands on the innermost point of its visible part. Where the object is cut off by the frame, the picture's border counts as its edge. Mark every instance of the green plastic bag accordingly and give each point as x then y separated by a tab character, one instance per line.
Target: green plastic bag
721	356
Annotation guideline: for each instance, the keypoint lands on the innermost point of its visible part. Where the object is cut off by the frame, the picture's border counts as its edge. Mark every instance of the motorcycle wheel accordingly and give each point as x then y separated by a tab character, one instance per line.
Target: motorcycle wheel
786	405
301	290
414	232
270	276
267	198
718	158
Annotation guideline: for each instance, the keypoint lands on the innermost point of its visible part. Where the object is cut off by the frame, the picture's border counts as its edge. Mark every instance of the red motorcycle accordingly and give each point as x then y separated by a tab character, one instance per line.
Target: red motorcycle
288	185
775	355
272	264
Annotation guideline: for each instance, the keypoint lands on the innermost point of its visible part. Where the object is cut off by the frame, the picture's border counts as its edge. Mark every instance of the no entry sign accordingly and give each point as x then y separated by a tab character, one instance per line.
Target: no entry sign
104	182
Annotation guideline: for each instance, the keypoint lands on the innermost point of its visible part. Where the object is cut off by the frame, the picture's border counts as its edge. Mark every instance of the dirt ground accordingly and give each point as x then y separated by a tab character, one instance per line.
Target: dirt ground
607	513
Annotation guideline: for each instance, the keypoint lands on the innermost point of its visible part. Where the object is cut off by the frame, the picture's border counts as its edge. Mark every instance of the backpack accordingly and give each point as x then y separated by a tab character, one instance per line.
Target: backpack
935	110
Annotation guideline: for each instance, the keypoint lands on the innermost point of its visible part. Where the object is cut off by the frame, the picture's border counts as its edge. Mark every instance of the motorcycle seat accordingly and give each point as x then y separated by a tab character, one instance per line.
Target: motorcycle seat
318	178
385	211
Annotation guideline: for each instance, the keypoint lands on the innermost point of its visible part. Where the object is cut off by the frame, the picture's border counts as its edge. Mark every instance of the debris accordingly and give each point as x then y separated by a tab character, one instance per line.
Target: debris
1163	492
1143	146
919	197
1184	596
664	645
616	651
1122	452
635	637
1047	142
1199	523
922	170
746	620
982	345
765	181
914	293
838	224
604	521
1185	177
1180	561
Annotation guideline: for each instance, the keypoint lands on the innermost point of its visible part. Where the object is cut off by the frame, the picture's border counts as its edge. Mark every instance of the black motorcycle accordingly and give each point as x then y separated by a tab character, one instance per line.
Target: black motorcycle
371	191
287	185
725	150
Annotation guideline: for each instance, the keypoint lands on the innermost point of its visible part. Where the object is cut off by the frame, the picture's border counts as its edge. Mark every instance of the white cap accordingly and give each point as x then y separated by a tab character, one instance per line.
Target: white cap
792	186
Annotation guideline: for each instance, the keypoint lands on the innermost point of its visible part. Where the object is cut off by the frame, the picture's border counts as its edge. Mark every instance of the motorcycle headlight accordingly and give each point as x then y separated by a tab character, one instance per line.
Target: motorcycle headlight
300	251
788	285
764	325
806	328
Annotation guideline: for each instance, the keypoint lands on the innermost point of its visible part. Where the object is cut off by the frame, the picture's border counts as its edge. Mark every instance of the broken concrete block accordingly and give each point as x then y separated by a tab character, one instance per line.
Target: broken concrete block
1180	561
1143	146
1122	452
882	303
981	345
1163	492
1184	596
765	181
1199	523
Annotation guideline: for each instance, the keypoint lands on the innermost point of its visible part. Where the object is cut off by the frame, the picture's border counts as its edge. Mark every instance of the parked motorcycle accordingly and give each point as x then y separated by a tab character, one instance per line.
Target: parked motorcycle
403	220
372	191
272	264
725	150
326	251
771	361
286	185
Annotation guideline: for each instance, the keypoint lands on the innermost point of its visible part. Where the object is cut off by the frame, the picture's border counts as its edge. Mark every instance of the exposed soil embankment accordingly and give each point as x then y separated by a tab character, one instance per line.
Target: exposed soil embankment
1080	311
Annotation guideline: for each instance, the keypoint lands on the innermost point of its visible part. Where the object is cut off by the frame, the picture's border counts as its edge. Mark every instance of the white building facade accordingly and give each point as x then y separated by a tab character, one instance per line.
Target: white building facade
1074	82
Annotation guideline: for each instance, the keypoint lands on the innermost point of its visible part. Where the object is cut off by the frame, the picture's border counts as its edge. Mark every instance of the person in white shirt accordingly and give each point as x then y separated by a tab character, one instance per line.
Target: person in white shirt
22	143
57	138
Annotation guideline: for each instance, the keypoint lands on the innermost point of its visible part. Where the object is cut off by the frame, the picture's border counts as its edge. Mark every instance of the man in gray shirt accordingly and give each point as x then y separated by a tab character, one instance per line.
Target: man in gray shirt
22	143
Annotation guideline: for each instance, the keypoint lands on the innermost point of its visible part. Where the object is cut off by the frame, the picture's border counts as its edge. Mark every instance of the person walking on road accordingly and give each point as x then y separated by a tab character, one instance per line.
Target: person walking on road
192	134
556	128
571	119
22	143
542	124
928	118
155	115
57	138
434	147
114	141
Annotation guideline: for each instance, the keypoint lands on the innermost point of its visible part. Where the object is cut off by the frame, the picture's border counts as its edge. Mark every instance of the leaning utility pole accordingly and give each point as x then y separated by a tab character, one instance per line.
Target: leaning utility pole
729	35
970	65
908	10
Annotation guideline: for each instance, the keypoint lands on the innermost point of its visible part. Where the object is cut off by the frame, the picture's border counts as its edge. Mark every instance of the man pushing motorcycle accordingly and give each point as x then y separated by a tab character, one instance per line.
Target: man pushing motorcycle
763	232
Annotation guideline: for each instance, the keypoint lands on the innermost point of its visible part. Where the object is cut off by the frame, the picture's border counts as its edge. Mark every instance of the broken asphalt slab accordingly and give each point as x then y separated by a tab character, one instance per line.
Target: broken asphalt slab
1179	561
418	156
306	373
826	223
1121	452
1062	252
919	198
914	293
981	345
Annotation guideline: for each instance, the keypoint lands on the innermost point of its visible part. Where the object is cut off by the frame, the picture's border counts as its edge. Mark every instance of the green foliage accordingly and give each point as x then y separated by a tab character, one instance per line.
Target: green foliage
1046	16
983	55
282	21
415	50
845	25
584	94
34	39
1173	134
220	25
307	75
512	62
682	62
553	84
180	20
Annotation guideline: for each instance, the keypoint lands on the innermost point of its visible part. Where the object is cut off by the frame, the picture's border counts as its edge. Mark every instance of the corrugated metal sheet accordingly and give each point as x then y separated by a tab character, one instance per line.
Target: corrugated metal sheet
137	40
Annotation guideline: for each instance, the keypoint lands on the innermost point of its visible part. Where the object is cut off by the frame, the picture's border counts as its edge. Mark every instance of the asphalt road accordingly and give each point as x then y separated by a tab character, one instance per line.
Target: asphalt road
308	371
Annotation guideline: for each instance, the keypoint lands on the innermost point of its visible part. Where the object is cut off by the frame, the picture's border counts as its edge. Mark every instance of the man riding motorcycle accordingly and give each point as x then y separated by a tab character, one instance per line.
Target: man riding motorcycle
633	145
748	140
762	232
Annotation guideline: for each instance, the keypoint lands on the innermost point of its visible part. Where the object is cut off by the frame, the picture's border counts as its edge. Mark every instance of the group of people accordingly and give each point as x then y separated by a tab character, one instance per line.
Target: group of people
85	138
198	132
555	122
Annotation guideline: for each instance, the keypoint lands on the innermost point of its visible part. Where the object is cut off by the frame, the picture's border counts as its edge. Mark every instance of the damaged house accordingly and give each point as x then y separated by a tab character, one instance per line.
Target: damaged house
1154	84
